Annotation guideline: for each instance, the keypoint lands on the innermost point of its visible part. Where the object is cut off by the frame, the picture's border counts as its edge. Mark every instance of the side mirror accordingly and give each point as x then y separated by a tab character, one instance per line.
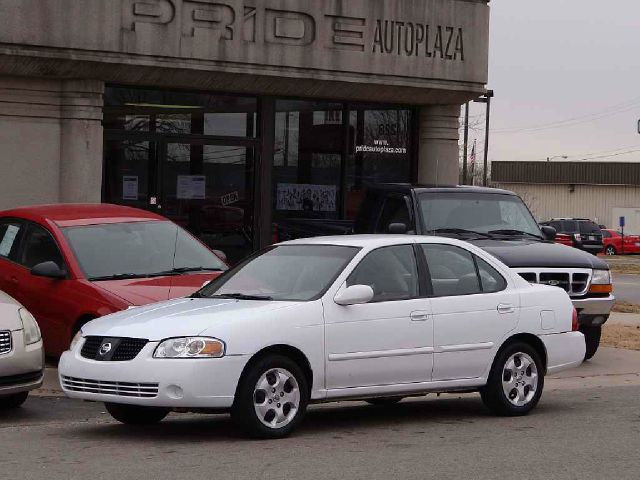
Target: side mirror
49	270
548	232
397	228
221	255
354	295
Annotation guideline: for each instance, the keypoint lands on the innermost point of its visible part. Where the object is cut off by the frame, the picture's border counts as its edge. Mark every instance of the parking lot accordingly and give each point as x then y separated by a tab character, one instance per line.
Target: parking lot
586	415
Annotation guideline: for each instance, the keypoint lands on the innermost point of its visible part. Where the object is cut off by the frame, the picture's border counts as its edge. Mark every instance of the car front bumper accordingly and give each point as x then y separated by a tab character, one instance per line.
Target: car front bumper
22	369
593	312
173	383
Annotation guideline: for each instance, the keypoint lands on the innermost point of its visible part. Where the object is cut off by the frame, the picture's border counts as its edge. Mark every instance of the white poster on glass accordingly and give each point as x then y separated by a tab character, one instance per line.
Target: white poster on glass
316	198
129	187
191	187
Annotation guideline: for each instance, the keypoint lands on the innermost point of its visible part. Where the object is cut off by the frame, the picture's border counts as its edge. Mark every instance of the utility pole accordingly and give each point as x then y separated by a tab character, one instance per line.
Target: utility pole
486	98
466	143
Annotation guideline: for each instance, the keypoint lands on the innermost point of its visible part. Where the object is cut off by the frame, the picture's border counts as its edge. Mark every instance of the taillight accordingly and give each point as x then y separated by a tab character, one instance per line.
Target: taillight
577	237
574	321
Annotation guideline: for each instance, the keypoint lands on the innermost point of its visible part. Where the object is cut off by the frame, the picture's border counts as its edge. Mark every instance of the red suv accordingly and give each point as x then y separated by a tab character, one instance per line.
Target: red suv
68	264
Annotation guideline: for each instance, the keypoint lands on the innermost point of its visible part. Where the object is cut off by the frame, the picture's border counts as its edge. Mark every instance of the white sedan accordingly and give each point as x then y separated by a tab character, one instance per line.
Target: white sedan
352	317
21	353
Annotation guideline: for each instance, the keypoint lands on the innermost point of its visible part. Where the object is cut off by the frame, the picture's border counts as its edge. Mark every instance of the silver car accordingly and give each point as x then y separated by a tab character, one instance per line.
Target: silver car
21	353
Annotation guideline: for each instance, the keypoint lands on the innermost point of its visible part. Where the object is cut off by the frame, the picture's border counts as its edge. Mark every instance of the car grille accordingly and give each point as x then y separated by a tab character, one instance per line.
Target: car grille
574	282
107	387
122	349
5	342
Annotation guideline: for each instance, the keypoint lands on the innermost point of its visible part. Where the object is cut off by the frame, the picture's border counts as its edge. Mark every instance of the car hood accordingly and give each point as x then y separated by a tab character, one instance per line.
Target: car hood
142	291
9	317
180	317
535	254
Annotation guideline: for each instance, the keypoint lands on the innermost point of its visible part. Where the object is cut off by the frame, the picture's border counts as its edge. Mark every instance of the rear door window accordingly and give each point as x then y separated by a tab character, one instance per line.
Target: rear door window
10	231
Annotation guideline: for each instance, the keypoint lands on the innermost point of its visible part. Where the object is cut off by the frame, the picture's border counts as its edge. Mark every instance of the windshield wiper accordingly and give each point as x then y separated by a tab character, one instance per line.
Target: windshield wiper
460	231
242	296
196	269
508	231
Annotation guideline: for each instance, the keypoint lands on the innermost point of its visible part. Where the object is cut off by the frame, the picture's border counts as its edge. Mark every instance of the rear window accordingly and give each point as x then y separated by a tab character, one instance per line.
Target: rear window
569	226
589	227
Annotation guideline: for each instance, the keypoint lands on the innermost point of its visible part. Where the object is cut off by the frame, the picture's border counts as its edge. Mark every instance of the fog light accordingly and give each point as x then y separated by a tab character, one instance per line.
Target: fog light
175	392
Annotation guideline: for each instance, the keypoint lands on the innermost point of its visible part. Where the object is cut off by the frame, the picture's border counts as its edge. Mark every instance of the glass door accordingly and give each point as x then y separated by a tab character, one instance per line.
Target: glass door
208	189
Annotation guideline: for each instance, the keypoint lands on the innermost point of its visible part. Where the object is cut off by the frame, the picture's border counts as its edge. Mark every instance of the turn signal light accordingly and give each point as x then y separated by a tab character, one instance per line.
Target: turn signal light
574	321
608	288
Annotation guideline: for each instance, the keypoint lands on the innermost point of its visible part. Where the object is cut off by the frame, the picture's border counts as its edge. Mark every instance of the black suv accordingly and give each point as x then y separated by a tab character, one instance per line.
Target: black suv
586	234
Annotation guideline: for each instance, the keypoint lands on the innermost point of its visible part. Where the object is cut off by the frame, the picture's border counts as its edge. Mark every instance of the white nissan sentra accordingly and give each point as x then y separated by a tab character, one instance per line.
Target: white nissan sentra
352	317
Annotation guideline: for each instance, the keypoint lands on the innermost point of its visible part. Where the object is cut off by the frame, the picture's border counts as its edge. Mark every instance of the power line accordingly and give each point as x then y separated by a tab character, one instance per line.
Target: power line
607	112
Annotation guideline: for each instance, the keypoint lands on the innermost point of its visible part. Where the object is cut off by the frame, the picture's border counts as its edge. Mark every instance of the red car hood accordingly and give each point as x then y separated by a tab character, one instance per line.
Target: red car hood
142	291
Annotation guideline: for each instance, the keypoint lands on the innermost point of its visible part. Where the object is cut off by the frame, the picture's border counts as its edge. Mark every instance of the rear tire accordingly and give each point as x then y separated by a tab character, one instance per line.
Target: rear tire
13	401
271	398
136	415
591	339
384	401
515	382
610	250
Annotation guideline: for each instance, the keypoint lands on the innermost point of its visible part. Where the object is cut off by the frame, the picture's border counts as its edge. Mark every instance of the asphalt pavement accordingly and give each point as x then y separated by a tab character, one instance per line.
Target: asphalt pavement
587	426
627	287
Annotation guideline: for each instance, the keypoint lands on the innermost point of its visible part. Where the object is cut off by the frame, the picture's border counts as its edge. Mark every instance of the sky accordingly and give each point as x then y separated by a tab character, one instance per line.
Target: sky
566	76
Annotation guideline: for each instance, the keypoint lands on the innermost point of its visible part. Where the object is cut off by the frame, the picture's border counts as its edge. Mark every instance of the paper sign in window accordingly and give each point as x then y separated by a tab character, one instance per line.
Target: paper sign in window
7	241
191	187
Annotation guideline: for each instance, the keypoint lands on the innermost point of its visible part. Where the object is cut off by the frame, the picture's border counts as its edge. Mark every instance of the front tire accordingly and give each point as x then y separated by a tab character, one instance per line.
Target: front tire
136	415
516	381
13	401
272	398
592	340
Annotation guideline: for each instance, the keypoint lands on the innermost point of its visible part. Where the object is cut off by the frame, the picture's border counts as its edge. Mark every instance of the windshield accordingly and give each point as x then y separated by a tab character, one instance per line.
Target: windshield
138	249
485	213
285	272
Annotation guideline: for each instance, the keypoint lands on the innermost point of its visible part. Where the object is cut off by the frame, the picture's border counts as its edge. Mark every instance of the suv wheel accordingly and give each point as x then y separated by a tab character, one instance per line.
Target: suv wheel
272	398
136	415
516	381
591	339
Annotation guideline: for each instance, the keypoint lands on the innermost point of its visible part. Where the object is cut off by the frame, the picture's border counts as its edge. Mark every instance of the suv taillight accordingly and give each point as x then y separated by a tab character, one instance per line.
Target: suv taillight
574	321
577	237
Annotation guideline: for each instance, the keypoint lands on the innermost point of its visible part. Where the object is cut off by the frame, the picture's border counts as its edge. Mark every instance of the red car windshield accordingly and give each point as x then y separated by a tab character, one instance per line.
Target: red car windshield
138	249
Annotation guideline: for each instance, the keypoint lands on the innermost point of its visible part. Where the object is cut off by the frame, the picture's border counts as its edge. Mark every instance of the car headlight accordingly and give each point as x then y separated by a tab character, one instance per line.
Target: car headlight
190	347
76	339
601	282
30	327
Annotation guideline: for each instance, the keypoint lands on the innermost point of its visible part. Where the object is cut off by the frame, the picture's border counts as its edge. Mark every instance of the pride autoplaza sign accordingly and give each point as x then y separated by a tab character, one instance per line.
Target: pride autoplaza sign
442	40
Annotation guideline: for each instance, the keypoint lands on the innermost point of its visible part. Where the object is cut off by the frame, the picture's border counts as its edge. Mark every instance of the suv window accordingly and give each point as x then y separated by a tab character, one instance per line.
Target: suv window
392	272
452	269
589	228
569	226
39	247
395	210
9	238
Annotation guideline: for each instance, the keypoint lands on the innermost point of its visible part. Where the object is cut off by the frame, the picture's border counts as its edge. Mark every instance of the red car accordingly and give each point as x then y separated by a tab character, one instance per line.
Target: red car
613	243
68	264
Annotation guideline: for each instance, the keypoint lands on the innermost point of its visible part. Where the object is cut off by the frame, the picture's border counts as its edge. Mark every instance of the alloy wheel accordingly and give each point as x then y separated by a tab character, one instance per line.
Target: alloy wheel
276	398
610	251
520	379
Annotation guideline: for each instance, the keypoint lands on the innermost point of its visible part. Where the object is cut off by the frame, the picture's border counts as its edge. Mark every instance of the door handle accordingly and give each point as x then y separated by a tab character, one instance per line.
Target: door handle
419	316
506	308
14	280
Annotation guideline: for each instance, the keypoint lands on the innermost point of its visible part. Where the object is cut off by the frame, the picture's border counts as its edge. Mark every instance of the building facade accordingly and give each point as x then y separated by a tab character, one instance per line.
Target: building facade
228	115
600	191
